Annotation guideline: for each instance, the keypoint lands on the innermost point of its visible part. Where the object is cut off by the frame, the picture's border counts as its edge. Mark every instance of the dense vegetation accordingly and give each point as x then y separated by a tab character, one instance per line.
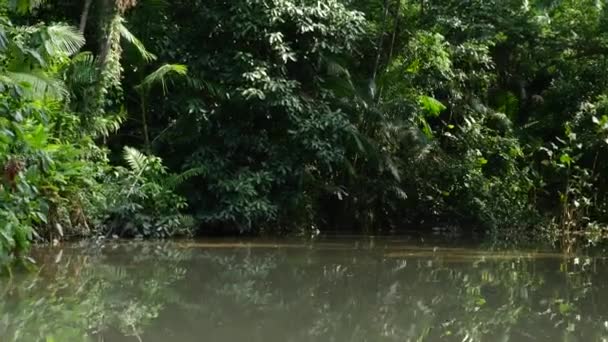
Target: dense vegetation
154	118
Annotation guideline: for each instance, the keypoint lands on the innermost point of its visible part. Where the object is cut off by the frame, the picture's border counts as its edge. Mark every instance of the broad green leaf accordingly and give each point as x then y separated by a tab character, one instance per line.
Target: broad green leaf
564	308
431	106
426	128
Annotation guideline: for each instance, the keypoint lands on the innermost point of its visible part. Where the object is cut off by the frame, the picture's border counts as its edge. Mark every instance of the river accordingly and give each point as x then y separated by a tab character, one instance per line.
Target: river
324	289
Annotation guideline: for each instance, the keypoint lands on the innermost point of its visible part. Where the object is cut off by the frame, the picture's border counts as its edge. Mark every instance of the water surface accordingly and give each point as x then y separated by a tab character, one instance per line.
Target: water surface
329	289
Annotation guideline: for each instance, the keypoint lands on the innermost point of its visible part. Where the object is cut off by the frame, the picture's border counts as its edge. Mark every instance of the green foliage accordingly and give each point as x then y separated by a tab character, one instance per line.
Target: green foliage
257	109
366	114
44	175
160	75
355	115
141	201
52	170
431	106
129	37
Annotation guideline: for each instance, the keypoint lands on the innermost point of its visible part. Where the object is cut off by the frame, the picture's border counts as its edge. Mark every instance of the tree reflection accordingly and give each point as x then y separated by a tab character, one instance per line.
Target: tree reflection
344	296
113	292
152	292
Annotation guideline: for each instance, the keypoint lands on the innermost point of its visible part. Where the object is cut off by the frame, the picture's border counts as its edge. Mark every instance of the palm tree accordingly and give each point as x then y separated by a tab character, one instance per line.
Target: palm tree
31	61
160	75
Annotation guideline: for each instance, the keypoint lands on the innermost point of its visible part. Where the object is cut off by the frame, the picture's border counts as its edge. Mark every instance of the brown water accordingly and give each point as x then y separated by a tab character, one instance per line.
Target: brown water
332	289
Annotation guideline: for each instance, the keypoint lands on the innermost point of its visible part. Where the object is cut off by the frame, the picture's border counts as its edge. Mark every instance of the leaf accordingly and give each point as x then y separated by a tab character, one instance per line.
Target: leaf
24	6
160	75
3	39
8	240
507	103
413	67
426	128
38	138
38	84
564	308
565	159
59	229
39	217
394	171
83	71
176	180
36	55
63	39
431	106
137	161
129	37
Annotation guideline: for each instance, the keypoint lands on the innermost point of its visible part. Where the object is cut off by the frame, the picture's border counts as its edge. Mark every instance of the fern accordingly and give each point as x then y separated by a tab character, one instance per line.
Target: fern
137	161
174	181
104	125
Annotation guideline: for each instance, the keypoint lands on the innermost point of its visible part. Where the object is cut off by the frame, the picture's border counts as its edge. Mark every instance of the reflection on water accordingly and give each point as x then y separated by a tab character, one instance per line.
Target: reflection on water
329	290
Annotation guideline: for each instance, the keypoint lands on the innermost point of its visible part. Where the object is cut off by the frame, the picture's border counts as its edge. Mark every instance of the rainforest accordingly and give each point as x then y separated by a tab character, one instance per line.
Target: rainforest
185	118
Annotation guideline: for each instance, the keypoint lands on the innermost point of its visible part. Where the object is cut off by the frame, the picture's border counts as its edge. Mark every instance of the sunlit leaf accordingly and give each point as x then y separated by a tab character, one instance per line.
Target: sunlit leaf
431	106
129	37
161	74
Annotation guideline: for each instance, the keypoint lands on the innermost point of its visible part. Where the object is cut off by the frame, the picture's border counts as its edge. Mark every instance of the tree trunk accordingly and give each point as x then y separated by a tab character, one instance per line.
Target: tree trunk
144	123
379	43
85	16
108	10
396	19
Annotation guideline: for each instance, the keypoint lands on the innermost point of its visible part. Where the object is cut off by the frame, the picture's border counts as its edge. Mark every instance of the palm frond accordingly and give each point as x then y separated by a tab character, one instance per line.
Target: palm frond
160	75
83	70
393	169
3	39
336	69
38	84
399	192
63	39
338	78
30	53
129	37
136	160
107	124
364	144
177	180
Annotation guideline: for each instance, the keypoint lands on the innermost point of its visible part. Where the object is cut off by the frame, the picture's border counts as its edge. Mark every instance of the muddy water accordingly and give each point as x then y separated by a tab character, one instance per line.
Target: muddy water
327	289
